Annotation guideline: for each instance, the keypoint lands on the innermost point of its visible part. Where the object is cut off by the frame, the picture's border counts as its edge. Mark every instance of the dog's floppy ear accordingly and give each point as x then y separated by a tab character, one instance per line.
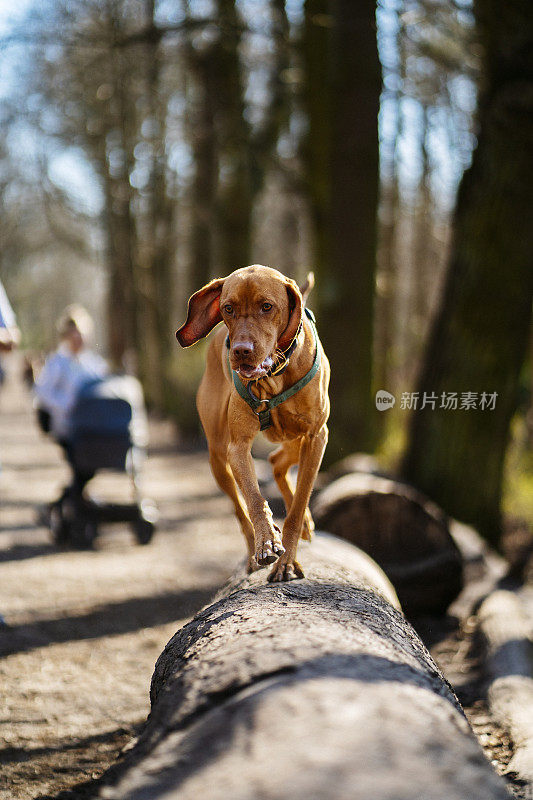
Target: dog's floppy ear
203	313
295	315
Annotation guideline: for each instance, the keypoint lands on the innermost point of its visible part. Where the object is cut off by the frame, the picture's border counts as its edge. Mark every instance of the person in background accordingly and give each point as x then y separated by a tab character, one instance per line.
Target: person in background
72	365
9	339
9	333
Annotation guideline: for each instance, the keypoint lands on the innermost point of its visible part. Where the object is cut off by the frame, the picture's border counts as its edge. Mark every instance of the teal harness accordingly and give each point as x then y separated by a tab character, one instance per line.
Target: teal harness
254	402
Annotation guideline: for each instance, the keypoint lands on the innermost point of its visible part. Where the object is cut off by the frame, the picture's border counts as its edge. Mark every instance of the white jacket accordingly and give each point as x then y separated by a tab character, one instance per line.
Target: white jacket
61	378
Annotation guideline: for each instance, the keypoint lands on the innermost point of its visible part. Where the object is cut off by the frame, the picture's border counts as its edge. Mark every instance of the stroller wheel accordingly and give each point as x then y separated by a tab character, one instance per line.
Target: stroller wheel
144	530
82	534
59	526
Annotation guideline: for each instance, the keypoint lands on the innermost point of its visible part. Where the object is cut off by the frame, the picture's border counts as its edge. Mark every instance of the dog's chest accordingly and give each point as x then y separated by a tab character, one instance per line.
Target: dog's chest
287	423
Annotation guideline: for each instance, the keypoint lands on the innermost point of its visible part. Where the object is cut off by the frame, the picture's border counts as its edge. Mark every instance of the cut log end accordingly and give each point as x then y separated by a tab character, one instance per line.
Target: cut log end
403	531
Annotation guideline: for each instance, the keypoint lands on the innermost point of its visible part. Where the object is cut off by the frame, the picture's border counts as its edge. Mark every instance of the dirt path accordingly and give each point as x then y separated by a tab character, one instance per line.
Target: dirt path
84	629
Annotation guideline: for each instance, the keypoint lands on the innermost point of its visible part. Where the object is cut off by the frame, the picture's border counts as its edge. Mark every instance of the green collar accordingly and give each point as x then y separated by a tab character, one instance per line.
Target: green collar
254	402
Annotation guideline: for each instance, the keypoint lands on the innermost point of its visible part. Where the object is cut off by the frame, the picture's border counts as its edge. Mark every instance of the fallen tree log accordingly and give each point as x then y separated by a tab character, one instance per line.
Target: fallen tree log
316	689
506	631
402	530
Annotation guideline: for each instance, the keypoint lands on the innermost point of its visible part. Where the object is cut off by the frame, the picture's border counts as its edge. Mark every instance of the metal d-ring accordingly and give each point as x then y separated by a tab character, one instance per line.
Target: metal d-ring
254	398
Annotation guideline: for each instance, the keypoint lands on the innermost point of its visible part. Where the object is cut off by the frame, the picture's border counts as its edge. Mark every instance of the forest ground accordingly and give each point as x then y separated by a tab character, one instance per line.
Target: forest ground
83	630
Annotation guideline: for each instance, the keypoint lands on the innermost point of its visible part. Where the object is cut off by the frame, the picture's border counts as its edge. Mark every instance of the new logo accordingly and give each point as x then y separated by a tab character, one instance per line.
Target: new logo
384	400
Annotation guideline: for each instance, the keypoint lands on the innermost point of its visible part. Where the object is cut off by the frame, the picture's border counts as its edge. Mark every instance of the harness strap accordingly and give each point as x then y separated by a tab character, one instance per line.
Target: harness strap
245	391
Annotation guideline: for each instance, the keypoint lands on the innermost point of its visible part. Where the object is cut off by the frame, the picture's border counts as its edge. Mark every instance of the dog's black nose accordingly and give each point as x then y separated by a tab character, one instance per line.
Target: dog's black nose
242	350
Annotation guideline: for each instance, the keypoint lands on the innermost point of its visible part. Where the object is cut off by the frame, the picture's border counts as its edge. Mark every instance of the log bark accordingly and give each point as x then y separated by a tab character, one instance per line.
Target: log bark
316	689
403	531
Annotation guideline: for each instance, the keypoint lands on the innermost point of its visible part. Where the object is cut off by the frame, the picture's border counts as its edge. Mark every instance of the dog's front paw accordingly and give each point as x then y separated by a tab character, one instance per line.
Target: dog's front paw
269	550
285	571
252	565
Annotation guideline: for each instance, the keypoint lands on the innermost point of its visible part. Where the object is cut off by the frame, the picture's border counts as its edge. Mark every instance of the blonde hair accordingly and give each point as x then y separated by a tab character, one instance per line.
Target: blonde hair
75	316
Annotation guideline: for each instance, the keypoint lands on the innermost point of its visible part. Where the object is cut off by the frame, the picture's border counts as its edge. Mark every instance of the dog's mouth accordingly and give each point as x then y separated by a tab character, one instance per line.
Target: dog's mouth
253	373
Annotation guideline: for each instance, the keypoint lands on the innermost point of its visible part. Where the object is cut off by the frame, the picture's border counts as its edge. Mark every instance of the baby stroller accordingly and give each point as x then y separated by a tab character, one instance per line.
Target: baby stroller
108	431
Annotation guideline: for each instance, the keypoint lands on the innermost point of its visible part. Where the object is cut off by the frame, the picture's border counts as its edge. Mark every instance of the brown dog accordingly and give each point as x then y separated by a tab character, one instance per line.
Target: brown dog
270	373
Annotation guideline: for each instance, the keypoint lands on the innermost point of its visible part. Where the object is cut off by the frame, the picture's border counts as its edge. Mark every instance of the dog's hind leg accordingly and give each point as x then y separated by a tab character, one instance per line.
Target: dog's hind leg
312	449
282	460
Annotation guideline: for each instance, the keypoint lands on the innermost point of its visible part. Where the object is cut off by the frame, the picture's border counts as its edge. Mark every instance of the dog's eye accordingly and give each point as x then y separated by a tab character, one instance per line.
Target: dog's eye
228	309
266	306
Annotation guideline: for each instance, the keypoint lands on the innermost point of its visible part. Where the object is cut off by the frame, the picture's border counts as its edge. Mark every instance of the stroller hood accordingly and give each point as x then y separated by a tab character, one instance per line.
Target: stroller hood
110	406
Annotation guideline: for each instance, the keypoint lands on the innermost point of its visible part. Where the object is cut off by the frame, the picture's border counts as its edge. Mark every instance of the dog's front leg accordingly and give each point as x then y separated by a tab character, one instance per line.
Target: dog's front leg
268	546
311	452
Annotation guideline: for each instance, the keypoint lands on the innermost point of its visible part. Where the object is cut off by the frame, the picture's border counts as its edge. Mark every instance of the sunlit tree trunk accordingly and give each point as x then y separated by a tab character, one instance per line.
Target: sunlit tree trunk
480	336
155	273
119	223
121	301
423	267
385	306
385	376
385	358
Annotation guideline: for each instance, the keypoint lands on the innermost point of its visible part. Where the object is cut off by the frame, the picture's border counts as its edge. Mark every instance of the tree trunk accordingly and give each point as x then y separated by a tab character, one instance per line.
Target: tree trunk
235	183
387	277
316	99
222	186
347	317
317	688
423	264
123	301
120	232
342	158
204	185
156	246
480	335
203	102
277	110
388	281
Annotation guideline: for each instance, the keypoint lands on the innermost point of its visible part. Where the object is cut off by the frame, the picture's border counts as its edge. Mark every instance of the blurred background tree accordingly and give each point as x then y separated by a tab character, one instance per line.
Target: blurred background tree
480	336
342	91
149	145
